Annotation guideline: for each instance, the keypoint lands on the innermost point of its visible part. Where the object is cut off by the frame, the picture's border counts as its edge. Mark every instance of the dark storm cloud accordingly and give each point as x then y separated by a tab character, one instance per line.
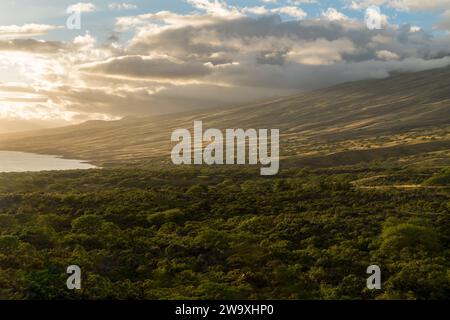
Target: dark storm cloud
33	46
148	67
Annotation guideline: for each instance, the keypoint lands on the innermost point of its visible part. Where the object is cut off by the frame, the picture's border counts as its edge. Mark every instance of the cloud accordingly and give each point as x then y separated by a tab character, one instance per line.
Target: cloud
81	7
401	5
374	14
170	20
387	55
219	8
31	45
265	56
321	51
259	10
415	5
148	67
25	31
363	4
333	15
292	11
122	6
215	7
206	58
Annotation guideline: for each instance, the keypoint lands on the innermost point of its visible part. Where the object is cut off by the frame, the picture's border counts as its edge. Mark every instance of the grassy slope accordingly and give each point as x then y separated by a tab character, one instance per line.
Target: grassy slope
403	115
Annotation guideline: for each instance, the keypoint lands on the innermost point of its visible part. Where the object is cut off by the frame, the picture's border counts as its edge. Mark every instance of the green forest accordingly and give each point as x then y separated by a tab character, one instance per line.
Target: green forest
150	232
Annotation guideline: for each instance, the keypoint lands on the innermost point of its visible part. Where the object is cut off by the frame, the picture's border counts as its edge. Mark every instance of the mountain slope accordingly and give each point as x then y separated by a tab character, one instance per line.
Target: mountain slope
405	114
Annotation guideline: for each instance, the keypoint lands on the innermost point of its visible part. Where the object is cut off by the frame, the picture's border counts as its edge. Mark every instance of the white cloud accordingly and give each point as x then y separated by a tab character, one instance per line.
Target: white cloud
85	41
220	8
387	55
150	23
292	11
215	7
122	6
260	10
333	15
373	14
81	7
363	4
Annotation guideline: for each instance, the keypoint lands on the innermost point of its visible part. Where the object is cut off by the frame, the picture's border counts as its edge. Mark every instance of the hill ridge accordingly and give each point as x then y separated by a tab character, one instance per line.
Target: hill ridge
402	110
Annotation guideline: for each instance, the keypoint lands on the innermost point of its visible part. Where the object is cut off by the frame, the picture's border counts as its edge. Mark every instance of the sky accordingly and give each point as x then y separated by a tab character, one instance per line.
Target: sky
150	57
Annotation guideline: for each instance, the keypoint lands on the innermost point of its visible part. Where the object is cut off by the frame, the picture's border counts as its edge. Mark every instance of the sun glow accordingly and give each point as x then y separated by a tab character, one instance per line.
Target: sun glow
37	111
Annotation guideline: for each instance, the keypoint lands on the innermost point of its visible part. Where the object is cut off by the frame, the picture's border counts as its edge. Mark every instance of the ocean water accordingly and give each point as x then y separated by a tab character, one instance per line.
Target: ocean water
11	161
